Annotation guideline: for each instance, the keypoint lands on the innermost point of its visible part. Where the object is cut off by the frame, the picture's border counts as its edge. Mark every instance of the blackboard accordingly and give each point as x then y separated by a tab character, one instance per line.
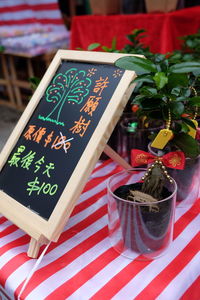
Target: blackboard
57	133
59	138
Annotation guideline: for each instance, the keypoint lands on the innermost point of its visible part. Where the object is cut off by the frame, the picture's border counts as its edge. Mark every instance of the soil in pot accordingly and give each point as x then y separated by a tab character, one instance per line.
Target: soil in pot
144	228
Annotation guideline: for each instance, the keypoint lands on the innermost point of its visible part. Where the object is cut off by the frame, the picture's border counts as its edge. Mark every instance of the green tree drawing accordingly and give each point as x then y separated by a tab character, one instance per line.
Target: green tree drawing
69	87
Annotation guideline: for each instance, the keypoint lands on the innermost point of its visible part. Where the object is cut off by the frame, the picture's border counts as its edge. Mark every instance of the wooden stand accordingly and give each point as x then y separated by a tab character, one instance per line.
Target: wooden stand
45	224
116	157
33	248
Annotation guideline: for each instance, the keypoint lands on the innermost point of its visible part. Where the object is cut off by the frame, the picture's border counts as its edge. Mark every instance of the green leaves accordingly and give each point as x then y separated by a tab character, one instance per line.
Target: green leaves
150	104
177	80
2	48
137	64
177	108
187	144
34	82
93	46
164	86
135	36
185	67
148	91
160	79
195	101
144	78
188	122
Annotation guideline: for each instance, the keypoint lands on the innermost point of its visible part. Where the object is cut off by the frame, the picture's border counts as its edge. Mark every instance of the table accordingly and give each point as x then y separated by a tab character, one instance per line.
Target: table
82	265
162	29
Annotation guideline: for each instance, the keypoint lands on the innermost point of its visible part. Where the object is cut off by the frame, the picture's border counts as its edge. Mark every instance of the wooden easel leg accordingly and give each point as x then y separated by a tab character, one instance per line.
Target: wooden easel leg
34	248
116	157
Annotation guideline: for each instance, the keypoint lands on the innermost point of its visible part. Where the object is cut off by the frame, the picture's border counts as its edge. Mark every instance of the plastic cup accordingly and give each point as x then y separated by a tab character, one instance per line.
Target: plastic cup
140	230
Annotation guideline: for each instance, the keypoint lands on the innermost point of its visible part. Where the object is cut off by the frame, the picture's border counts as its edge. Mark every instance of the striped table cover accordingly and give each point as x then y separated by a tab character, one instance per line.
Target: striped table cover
32	27
82	265
28	12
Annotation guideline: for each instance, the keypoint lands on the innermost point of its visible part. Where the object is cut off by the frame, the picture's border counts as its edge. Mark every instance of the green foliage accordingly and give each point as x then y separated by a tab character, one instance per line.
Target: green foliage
34	81
186	67
134	45
191	46
187	144
2	48
96	46
165	90
138	64
93	46
160	79
164	83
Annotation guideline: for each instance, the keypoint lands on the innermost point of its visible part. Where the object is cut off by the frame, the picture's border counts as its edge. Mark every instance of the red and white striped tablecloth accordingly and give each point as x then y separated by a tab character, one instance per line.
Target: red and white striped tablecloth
29	12
82	265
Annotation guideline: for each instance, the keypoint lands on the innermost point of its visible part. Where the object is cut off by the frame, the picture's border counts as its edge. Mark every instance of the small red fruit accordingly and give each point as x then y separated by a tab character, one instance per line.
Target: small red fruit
135	108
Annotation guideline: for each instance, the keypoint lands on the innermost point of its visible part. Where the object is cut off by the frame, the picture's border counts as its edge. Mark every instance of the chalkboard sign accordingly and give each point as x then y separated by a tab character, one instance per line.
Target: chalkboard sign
60	136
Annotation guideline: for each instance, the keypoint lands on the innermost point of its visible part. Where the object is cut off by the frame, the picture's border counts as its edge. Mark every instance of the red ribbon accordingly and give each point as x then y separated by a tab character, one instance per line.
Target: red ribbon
174	160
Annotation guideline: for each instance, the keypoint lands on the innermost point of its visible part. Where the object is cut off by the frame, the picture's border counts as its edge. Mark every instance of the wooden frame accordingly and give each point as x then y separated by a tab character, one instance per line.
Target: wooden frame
41	230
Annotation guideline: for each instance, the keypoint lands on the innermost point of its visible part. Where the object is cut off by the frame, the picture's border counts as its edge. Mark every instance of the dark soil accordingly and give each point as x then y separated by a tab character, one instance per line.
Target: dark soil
148	228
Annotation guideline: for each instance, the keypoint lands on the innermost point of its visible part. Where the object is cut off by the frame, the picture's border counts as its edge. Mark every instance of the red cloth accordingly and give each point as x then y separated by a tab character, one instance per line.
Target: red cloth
162	29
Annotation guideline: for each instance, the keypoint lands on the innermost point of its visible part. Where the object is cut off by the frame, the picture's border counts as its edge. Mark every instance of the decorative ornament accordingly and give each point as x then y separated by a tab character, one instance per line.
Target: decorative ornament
156	174
150	170
192	132
132	126
174	160
164	135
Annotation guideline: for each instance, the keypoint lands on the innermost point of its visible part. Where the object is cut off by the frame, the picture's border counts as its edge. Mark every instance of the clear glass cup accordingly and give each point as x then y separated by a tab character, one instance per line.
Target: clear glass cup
133	137
136	229
187	180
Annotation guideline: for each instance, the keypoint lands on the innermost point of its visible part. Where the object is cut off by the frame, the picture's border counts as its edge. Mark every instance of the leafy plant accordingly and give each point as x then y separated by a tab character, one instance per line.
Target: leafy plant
2	48
165	93
134	46
95	46
191	46
34	81
190	49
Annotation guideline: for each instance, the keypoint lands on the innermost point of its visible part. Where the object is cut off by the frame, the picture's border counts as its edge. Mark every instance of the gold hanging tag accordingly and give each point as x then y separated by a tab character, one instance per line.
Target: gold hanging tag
162	138
192	132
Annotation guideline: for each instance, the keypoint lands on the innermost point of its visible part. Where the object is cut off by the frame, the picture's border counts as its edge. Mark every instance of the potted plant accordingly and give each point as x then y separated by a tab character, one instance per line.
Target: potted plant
130	130
141	207
166	93
190	48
